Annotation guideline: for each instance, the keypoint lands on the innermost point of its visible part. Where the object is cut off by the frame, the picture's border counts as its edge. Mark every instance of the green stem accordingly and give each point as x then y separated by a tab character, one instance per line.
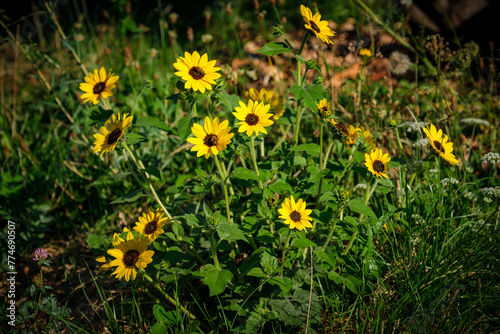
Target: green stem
222	177
284	249
282	139
254	160
321	145
297	125
368	194
170	299
141	167
327	154
213	249
332	228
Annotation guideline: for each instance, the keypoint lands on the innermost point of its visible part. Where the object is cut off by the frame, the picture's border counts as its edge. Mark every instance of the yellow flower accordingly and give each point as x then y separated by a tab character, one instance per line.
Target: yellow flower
314	24
98	86
106	266
268	97
211	138
324	109
254	118
151	224
368	137
197	72
129	255
351	133
111	133
440	144
295	214
377	162
365	53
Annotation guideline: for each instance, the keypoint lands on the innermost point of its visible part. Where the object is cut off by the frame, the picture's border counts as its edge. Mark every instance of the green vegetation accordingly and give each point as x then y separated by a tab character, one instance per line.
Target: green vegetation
398	231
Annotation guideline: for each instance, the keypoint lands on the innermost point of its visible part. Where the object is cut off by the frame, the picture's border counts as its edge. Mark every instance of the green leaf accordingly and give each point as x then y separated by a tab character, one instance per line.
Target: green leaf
228	100
385	185
201	173
358	206
153	171
284	283
95	241
130	197
245	174
230	232
350	282
299	58
135	138
316	174
152	121
256	272
302	243
99	115
184	128
274	48
159	328
215	278
178	230
279	186
311	95
169	318
311	149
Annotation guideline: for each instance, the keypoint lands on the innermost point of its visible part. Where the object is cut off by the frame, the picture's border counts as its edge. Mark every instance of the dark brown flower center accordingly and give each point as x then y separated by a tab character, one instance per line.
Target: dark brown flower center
99	87
295	216
252	119
151	227
324	109
342	128
210	140
114	136
314	26
378	166
130	258
196	72
438	146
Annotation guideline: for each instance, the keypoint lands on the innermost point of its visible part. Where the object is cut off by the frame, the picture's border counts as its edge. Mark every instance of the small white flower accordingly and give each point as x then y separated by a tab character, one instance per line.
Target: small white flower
490	191
413	126
475	121
450	180
491	158
421	143
359	186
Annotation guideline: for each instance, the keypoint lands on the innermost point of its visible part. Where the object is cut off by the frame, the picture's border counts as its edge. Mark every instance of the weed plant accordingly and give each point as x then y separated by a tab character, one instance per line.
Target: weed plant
264	171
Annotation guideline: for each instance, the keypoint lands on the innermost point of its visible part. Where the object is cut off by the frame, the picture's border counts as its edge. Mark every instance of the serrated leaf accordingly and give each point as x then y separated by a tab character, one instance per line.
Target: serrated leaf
284	283
201	173
274	48
311	149
159	328
184	128
130	197
152	121
302	243
245	174
358	206
350	282
279	186
135	138
256	272
310	95
228	100
230	232
99	114
169	318
95	241
153	171
216	280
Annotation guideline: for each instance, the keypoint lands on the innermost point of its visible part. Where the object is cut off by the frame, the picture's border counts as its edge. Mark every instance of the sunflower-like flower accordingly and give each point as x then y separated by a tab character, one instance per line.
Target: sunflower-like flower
254	117
440	144
351	133
151	224
112	131
129	255
295	214
323	109
377	162
102	259
98	85
211	138
314	24
369	139
197	72
268	97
